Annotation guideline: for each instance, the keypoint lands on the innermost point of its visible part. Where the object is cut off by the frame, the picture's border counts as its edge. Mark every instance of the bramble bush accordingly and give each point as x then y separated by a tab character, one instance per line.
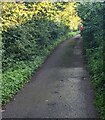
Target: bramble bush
29	32
92	16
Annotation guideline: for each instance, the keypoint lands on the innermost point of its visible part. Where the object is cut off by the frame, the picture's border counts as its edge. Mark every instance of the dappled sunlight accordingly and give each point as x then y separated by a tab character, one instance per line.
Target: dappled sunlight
14	14
52	52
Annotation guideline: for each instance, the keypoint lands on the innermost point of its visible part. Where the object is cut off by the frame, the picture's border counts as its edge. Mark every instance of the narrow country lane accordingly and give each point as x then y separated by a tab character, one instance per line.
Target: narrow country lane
60	89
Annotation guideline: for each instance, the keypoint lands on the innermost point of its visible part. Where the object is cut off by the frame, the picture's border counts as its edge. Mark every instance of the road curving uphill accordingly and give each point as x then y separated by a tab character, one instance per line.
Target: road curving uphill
60	89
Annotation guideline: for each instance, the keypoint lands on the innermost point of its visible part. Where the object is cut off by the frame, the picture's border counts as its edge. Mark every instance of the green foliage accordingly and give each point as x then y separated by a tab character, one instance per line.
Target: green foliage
16	77
92	17
18	74
29	32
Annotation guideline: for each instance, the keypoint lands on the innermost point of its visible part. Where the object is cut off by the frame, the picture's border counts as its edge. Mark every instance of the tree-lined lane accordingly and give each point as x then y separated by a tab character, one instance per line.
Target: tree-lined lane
60	89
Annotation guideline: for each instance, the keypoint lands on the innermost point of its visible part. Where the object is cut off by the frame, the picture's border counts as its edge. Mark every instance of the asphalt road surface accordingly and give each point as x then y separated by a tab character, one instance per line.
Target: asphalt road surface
60	89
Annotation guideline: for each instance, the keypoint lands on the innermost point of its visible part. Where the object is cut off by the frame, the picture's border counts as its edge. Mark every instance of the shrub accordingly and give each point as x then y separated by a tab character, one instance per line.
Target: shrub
92	17
29	32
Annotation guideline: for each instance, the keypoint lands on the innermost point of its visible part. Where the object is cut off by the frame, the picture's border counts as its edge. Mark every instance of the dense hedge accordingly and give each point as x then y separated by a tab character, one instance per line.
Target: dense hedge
92	17
29	32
